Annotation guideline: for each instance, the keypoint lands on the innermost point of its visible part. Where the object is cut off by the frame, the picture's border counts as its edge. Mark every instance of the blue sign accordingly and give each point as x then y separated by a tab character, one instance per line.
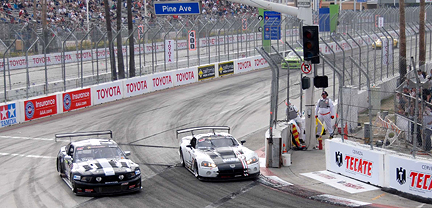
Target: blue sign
361	1
177	8
272	25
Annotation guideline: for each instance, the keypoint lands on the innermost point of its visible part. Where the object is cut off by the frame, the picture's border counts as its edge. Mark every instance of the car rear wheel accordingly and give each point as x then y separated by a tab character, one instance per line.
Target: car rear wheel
182	162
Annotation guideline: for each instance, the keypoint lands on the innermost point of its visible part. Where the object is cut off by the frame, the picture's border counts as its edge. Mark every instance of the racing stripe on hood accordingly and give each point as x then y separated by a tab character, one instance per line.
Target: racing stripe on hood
107	168
124	165
241	158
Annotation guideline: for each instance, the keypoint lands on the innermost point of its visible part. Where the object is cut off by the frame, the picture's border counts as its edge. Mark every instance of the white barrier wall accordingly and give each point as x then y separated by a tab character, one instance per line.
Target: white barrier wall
259	62
163	80
107	92
185	76
136	86
380	167
409	175
355	161
243	65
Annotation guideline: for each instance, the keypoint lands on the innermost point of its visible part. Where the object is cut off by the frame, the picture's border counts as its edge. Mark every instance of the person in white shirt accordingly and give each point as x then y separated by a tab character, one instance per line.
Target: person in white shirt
324	112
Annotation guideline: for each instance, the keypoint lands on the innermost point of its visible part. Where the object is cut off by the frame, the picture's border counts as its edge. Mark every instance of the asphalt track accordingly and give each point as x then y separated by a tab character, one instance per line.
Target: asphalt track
146	126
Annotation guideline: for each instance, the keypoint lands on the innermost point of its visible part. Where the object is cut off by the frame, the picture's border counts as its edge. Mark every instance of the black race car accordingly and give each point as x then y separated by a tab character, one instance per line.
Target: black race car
97	166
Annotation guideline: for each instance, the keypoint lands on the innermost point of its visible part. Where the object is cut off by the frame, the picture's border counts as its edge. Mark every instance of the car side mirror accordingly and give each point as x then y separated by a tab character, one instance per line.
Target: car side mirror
243	141
68	157
190	146
127	153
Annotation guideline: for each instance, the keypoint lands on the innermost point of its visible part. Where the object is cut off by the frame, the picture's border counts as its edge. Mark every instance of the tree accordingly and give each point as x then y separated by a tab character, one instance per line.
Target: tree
422	50
110	43
121	71
131	40
402	49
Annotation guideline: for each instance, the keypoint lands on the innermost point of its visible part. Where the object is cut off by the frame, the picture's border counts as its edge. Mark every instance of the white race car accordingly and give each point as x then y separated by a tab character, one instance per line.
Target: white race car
217	155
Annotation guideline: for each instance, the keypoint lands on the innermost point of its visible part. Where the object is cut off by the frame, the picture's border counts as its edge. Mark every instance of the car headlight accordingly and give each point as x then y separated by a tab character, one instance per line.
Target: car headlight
252	160
137	171
86	179
208	164
77	177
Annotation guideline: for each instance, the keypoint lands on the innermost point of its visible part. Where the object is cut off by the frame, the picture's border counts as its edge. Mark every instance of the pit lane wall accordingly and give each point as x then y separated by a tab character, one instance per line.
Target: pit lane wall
43	106
381	167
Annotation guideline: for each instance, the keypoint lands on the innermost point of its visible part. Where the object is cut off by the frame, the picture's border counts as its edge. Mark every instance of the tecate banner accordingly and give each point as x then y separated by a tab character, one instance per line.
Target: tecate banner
412	176
76	99
185	76
355	161
107	92
136	86
8	114
40	107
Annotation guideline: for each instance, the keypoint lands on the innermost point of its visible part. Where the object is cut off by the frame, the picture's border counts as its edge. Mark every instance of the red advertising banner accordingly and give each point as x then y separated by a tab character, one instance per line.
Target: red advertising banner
76	99
41	107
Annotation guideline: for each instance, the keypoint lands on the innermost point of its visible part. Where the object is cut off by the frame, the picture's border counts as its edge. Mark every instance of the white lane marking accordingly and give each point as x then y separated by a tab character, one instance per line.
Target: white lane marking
26	138
420	206
23	155
340	182
280	181
340	201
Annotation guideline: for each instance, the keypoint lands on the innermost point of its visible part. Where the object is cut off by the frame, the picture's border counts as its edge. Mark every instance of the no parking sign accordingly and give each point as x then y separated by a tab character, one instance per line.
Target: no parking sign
306	68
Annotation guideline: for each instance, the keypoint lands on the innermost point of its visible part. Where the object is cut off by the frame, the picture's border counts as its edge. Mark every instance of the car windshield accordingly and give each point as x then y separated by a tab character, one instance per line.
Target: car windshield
293	55
216	142
97	152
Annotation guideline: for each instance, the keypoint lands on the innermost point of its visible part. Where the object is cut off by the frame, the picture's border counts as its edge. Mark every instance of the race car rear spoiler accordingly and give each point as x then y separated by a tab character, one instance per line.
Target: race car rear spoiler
213	128
83	134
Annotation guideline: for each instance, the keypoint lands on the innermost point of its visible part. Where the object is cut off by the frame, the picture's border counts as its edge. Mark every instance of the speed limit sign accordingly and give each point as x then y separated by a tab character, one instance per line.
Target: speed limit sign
192	40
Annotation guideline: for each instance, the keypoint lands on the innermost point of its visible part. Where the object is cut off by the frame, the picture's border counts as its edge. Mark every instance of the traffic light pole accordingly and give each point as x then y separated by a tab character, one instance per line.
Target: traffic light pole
306	15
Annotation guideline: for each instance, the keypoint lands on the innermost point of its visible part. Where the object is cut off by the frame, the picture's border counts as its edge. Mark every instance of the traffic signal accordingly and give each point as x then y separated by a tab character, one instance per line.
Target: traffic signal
321	81
311	44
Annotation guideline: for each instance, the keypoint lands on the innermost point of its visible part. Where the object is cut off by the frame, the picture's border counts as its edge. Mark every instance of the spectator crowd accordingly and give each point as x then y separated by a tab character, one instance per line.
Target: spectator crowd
62	12
405	103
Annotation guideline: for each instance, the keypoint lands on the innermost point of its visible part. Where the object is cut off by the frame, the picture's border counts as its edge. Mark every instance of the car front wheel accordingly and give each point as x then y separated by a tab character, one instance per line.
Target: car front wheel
59	168
196	170
182	162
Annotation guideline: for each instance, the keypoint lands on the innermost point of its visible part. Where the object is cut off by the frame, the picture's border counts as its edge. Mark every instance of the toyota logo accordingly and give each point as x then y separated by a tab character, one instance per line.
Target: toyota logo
232	165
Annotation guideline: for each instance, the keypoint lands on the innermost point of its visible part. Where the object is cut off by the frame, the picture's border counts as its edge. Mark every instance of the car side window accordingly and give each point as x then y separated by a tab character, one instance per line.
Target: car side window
71	150
193	142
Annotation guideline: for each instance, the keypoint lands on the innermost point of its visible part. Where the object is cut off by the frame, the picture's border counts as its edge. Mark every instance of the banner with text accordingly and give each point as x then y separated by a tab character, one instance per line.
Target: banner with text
40	107
107	92
355	161
76	99
409	175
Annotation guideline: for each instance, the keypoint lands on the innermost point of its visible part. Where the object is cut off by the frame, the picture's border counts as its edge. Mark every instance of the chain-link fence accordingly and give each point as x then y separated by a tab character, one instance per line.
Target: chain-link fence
364	52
